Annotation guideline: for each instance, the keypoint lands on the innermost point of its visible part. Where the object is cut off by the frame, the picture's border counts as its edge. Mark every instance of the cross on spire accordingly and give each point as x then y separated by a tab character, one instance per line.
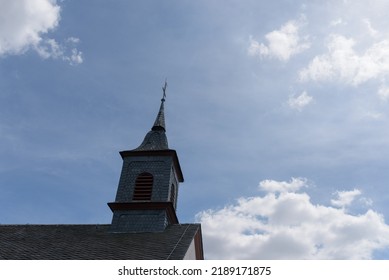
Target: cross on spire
164	91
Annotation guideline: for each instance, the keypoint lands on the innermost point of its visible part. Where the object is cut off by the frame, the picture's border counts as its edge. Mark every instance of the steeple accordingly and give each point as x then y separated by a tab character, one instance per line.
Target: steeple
160	120
156	138
159	123
146	198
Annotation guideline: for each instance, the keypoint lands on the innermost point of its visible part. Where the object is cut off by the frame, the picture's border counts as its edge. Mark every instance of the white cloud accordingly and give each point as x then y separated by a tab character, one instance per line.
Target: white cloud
276	186
299	102
372	32
49	48
22	22
383	92
282	43
336	22
288	225
23	25
342	63
75	57
345	198
373	116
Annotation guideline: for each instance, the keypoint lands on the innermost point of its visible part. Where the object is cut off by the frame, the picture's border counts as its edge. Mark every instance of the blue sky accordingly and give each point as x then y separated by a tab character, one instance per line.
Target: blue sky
278	112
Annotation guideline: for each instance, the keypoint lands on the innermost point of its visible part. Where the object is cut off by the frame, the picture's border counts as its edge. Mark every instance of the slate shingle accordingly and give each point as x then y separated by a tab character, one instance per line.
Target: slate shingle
93	242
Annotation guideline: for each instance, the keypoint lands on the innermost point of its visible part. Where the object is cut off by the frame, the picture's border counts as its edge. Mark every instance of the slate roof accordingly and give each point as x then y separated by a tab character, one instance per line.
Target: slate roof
93	242
156	138
160	120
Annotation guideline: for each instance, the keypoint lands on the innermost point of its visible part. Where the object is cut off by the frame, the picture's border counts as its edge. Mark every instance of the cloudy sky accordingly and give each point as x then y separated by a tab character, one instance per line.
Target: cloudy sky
279	112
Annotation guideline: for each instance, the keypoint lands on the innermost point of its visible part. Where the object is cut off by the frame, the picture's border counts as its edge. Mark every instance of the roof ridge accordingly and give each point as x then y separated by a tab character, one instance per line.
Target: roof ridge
179	240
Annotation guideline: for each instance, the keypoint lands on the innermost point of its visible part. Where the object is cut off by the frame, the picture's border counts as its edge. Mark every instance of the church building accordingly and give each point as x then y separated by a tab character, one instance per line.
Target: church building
144	224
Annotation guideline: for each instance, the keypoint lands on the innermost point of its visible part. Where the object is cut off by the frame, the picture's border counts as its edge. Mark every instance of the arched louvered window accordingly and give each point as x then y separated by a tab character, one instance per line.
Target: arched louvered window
143	187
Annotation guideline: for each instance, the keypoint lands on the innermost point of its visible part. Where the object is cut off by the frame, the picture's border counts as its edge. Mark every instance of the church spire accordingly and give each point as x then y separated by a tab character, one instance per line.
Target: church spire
156	138
146	198
159	123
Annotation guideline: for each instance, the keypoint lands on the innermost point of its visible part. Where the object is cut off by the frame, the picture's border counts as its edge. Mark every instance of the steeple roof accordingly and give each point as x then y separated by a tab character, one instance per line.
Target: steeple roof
160	120
156	138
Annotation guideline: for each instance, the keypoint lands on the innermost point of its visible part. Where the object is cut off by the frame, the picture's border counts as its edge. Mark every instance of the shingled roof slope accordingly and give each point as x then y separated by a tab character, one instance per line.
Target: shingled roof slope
93	242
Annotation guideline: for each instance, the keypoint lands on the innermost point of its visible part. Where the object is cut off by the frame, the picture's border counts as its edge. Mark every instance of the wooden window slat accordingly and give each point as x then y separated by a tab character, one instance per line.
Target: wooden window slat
143	187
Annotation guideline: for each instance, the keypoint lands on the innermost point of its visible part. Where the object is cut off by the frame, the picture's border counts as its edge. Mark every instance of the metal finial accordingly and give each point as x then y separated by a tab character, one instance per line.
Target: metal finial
164	91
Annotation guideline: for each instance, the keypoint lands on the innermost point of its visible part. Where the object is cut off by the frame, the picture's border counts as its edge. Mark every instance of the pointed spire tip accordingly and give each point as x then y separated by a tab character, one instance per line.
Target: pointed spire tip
164	91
